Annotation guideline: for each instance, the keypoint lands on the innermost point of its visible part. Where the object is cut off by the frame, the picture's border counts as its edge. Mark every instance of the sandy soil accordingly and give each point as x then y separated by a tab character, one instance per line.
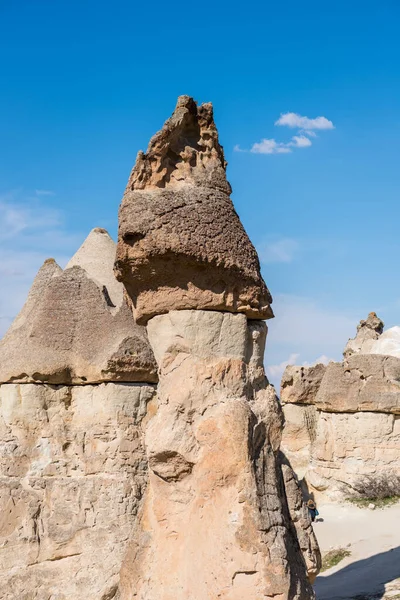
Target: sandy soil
373	538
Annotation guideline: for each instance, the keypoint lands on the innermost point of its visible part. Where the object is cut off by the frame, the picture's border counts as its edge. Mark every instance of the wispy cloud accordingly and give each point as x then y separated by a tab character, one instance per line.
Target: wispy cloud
30	232
301	141
296	121
278	251
275	372
306	130
16	217
304	329
44	193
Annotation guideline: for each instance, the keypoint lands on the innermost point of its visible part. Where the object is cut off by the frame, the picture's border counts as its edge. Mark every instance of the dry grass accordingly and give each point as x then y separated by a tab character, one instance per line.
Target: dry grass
379	502
333	558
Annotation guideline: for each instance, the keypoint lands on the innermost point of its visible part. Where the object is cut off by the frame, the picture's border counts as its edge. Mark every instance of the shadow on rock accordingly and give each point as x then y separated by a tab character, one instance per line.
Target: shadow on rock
361	580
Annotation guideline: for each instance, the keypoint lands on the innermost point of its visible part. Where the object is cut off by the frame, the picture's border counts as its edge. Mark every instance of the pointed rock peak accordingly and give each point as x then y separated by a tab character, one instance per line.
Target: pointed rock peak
46	273
185	150
368	331
96	256
372	322
181	244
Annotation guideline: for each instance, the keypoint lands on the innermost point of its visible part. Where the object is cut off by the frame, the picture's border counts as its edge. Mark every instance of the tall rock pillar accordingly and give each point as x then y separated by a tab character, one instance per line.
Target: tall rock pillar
215	521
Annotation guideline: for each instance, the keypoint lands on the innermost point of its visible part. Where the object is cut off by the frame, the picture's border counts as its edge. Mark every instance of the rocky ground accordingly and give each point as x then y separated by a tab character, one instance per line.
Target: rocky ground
372	571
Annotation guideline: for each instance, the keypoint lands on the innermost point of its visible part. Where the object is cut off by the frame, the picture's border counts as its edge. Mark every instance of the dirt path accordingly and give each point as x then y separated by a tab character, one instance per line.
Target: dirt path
372	571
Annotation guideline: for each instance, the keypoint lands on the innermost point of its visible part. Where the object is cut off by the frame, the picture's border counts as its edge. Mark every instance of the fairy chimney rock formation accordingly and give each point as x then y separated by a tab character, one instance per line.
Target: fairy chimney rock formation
215	520
181	244
76	326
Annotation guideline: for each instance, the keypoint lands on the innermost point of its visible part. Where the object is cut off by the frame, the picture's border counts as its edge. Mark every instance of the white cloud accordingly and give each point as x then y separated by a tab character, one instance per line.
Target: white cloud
278	251
16	217
301	141
306	131
270	147
323	359
275	372
295	120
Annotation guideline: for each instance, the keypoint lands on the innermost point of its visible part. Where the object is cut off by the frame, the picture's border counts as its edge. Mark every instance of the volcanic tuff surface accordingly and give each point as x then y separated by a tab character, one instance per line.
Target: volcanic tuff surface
112	487
342	421
76	326
216	519
181	244
72	460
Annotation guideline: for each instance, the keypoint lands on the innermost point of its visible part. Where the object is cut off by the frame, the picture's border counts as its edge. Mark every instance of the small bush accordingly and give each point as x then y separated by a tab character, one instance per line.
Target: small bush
378	502
372	488
333	558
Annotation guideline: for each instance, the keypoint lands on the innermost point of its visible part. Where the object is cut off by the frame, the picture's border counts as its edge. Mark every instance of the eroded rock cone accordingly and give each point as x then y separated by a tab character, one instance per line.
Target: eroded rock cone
76	326
181	244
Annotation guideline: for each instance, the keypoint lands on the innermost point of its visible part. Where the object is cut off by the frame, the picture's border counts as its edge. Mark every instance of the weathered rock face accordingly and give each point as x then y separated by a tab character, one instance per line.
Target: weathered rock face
72	462
342	429
301	519
72	473
301	384
181	244
76	326
355	452
363	382
215	520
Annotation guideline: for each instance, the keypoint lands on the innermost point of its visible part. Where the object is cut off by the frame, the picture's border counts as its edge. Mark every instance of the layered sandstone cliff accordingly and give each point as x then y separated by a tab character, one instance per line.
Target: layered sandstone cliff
342	431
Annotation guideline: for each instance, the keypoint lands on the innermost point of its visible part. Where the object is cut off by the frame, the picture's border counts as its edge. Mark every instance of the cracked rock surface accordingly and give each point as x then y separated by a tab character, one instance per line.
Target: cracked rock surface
72	474
215	520
342	421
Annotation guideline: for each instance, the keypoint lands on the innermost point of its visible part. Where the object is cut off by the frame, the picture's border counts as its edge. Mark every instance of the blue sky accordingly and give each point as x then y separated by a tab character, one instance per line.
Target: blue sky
85	84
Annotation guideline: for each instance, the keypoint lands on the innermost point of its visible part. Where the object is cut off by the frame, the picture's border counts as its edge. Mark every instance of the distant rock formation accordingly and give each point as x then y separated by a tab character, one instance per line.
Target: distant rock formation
342	421
216	519
73	398
181	244
76	326
114	487
368	332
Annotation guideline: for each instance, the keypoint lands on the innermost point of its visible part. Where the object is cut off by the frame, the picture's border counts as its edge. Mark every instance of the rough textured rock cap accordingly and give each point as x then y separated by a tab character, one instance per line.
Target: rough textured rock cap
367	332
76	326
181	244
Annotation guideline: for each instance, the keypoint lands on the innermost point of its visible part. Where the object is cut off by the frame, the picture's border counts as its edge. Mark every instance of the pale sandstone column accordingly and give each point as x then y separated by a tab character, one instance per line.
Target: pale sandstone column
215	521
